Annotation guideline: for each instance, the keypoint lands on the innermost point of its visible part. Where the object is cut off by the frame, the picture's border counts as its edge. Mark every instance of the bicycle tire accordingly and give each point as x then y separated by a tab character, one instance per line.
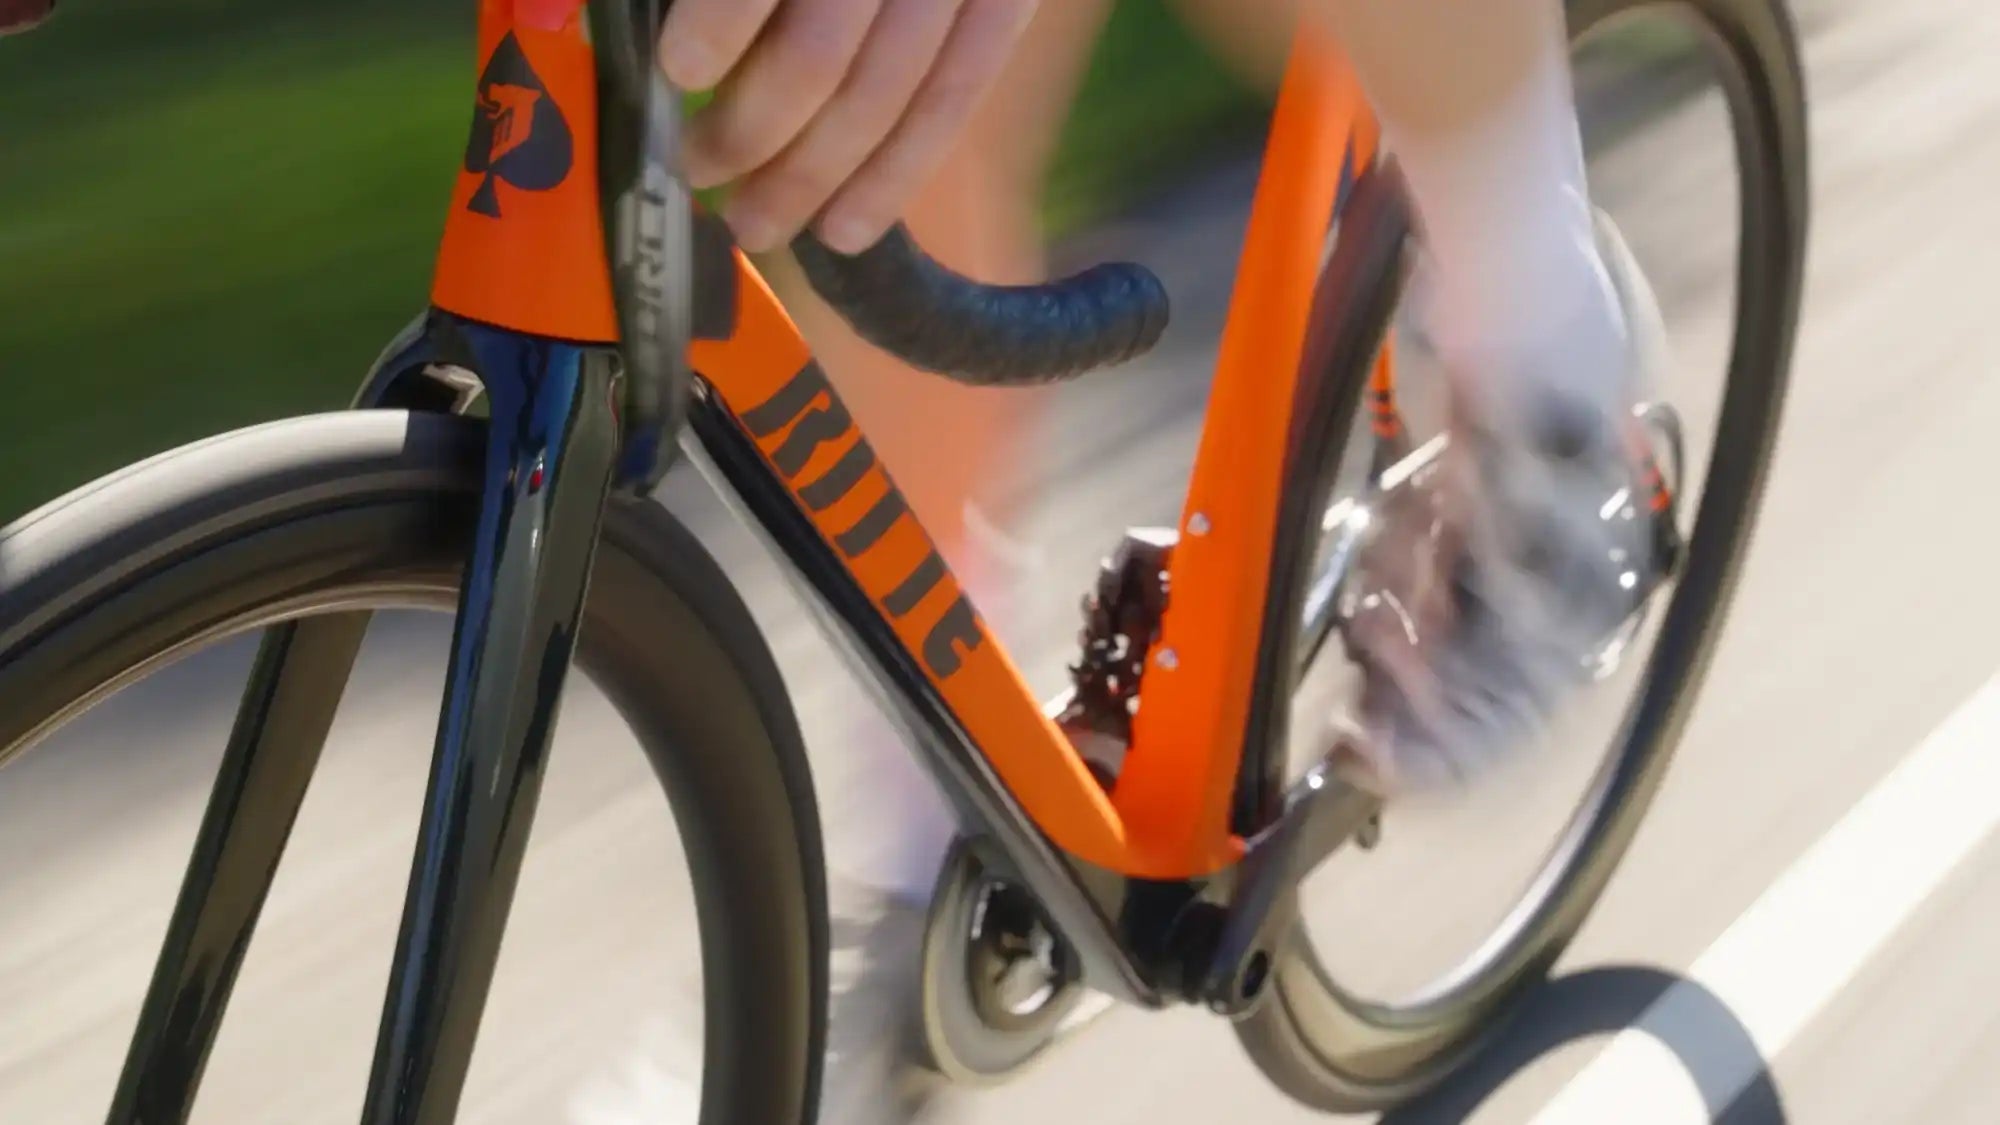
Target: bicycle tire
375	508
1333	1051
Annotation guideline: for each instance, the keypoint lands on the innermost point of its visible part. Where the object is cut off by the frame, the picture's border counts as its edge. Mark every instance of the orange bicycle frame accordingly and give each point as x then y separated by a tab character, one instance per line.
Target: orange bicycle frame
522	251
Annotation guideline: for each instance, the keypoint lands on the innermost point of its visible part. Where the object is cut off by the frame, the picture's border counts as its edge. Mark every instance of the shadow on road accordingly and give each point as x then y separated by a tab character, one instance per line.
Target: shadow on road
1711	1043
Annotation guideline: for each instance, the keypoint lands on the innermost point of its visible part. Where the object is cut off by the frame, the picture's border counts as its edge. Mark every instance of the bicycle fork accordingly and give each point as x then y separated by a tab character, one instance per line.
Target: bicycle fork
550	458
565	427
552	449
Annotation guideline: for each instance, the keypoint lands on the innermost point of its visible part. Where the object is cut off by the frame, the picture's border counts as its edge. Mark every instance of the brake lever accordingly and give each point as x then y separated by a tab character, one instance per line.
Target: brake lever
649	235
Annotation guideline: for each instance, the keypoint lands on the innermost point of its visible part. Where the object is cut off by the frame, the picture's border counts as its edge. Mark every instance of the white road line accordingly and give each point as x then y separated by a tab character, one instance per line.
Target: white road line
1813	930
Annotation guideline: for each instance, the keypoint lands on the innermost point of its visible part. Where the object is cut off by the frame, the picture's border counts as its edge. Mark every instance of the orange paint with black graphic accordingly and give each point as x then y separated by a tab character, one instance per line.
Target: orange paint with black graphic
523	249
766	375
1168	816
523	243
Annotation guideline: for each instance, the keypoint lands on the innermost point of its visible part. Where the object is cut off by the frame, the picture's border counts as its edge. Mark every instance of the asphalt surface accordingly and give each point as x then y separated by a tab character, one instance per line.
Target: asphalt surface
1865	618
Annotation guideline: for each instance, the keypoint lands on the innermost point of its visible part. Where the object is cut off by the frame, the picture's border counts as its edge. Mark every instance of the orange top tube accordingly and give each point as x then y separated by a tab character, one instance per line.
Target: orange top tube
524	242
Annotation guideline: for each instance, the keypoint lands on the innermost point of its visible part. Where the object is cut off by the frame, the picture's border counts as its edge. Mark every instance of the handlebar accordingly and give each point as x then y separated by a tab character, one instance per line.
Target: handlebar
902	300
893	294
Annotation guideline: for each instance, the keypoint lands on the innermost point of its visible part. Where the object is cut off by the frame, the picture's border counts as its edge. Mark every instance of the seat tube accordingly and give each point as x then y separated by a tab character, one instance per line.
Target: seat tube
1176	792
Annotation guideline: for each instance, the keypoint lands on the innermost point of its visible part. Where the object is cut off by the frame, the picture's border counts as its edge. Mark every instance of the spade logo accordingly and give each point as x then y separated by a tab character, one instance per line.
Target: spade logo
518	134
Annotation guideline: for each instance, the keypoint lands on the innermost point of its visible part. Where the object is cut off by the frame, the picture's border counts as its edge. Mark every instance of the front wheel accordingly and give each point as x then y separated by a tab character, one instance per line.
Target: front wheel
1334	1050
352	512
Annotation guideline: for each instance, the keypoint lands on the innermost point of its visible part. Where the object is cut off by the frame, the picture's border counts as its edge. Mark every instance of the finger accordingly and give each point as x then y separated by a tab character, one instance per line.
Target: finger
790	72
776	201
702	40
977	49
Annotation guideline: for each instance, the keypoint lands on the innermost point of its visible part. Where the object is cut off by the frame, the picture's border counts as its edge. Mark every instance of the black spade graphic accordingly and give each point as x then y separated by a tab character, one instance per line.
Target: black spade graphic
518	133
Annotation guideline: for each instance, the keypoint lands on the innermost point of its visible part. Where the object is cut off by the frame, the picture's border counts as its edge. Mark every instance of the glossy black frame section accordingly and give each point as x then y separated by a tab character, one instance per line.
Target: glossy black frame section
566	426
553	441
552	448
295	687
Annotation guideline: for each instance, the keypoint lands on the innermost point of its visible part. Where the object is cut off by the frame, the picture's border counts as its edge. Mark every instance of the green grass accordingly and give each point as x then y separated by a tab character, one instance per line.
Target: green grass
214	212
208	220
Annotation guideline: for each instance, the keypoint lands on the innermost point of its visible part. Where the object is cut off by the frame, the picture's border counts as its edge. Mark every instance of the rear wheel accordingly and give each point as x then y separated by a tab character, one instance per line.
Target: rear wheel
354	512
1331	1048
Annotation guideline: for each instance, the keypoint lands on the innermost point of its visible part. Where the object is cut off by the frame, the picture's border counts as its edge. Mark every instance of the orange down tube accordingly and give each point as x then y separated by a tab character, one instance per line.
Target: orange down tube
766	376
1175	791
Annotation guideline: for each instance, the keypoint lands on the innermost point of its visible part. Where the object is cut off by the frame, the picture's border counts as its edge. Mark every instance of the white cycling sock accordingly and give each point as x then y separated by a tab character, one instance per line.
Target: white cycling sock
1516	288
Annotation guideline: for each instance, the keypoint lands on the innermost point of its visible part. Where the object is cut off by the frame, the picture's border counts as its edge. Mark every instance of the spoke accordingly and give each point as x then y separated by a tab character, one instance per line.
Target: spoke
548	469
281	726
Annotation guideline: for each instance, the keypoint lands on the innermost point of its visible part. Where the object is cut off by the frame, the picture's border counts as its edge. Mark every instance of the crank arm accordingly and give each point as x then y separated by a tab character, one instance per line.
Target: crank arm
1323	811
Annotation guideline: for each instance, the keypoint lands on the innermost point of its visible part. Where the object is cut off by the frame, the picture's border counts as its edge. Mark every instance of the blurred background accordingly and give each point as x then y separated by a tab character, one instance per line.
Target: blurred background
214	212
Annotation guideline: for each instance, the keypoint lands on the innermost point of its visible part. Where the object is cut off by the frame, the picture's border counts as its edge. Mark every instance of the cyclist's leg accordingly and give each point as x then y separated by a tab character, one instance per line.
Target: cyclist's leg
1478	107
1545	337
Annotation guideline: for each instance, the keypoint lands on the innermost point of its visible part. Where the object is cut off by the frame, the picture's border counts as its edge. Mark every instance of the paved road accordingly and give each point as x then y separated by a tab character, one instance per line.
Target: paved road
1828	962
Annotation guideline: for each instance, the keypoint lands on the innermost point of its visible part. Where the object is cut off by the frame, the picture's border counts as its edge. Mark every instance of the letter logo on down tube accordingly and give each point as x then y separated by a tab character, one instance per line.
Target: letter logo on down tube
809	416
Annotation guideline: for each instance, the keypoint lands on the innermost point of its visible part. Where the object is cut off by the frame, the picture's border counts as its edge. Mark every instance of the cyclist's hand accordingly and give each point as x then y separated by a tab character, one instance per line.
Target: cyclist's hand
831	112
